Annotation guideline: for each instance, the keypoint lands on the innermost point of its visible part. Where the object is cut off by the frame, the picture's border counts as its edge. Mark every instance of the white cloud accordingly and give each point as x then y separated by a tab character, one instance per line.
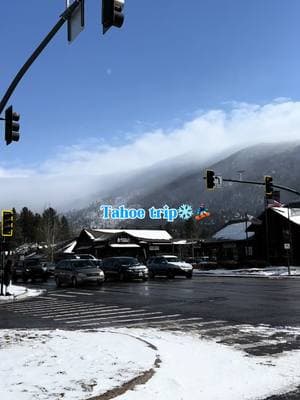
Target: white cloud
80	169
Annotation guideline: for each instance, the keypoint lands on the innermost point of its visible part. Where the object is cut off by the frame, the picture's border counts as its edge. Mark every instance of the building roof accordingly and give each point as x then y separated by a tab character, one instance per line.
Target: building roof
233	231
146	234
293	214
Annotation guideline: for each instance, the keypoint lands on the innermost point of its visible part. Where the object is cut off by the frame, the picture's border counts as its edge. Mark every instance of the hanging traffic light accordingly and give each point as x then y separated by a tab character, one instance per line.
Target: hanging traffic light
269	186
112	13
210	179
12	127
7	223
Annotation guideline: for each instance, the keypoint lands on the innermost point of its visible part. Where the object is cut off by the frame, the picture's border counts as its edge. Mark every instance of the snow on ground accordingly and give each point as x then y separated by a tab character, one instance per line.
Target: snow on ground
260	272
73	365
68	365
19	292
199	369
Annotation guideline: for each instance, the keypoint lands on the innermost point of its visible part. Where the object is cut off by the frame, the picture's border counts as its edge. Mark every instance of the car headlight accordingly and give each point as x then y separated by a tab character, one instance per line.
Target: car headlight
101	273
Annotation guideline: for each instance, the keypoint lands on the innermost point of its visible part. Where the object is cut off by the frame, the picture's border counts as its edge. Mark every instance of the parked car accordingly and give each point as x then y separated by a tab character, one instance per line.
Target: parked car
30	269
123	268
50	267
76	272
203	262
170	266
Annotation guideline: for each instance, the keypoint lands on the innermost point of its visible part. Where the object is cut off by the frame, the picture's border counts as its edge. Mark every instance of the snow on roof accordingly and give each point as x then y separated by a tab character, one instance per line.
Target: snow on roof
150	234
290	213
70	247
234	231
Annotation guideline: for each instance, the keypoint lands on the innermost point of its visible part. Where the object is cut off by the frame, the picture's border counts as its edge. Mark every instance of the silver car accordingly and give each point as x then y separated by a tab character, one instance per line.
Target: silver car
76	272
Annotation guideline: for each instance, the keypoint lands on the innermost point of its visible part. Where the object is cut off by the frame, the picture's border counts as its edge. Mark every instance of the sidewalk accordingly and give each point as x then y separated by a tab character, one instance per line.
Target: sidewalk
19	293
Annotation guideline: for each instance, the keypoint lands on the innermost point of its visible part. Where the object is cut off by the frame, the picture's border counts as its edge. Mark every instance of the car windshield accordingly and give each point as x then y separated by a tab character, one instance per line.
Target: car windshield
172	259
83	264
129	261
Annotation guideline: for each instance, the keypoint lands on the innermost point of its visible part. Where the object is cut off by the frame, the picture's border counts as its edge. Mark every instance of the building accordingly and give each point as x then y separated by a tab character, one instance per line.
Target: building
141	243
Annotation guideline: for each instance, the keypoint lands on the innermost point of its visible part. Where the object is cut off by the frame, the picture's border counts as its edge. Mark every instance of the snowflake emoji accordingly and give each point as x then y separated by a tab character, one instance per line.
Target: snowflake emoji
185	211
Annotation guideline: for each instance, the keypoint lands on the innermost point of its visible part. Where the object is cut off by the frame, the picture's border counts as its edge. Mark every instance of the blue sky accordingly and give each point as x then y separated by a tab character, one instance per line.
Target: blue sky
170	62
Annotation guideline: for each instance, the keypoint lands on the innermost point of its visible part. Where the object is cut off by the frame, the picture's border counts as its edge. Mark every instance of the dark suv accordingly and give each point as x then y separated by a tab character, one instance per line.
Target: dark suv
123	268
30	269
77	271
169	266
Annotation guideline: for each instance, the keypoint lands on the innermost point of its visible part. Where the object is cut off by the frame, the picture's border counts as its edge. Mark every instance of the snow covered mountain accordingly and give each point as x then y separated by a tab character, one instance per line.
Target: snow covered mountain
180	181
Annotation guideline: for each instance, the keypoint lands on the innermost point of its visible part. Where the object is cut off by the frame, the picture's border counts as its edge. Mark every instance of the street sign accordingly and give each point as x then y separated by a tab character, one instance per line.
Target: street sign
76	22
287	246
218	181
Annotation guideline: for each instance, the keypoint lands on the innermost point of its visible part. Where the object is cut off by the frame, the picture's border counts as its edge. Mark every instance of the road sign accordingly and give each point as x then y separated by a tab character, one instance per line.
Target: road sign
287	246
218	181
76	22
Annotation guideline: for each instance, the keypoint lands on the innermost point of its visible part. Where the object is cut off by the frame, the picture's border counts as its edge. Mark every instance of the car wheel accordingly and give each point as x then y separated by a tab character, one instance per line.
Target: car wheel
74	282
99	282
122	276
151	275
45	279
57	281
189	276
171	275
24	279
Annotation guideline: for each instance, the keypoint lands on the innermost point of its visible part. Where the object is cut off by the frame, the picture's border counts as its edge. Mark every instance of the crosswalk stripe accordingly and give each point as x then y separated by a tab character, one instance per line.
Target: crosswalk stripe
50	309
127	320
62	295
82	293
137	314
95	314
170	321
71	310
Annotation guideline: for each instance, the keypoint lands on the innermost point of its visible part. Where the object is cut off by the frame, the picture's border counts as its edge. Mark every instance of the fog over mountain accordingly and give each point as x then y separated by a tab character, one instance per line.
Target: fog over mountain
181	181
131	165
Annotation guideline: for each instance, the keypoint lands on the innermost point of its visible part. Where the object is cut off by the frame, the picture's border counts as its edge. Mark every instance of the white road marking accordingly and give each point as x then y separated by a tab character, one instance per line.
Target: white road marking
95	314
130	320
61	295
82	293
137	314
72	310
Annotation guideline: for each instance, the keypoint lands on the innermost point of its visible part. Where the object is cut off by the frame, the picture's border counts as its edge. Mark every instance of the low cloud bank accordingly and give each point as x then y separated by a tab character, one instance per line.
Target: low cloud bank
79	172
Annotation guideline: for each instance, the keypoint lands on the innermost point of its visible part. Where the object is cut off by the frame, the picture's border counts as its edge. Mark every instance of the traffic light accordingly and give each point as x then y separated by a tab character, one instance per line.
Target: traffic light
210	179
269	186
11	126
112	14
7	223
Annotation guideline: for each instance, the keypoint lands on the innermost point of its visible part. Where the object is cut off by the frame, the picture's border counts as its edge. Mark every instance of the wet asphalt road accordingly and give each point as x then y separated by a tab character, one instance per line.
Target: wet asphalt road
237	300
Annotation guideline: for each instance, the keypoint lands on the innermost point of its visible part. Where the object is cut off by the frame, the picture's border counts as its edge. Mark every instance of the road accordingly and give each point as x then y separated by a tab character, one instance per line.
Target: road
257	315
260	316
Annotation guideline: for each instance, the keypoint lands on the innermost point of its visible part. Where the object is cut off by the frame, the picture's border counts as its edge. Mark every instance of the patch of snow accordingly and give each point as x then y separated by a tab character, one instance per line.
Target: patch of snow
17	291
68	365
234	231
265	272
199	369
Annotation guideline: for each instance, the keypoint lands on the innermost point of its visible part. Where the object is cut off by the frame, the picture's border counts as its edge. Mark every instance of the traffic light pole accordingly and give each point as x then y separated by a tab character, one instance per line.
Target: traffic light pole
287	189
64	17
2	266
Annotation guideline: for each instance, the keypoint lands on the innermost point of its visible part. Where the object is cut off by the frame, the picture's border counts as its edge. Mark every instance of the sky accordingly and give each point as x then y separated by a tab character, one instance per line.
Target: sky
217	72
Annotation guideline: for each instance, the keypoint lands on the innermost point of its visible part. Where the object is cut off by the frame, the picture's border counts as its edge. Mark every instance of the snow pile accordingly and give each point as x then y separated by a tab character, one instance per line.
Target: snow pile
20	291
79	365
68	365
199	369
265	272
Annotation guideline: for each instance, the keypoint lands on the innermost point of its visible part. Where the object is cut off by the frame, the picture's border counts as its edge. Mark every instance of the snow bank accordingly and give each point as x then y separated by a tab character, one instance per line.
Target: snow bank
78	365
198	369
70	365
20	291
265	272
